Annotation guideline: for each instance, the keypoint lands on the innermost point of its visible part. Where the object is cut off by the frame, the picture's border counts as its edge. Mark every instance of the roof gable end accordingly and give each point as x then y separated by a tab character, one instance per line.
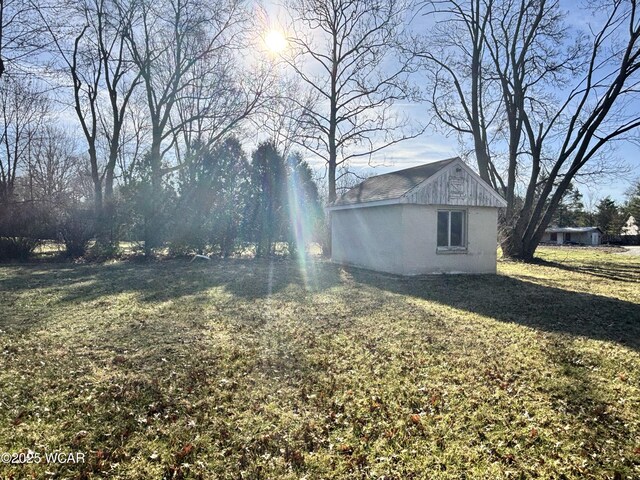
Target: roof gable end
447	182
392	185
456	185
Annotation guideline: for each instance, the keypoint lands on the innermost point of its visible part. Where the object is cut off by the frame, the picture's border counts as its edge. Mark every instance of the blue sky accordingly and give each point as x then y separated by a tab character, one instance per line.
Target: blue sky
433	146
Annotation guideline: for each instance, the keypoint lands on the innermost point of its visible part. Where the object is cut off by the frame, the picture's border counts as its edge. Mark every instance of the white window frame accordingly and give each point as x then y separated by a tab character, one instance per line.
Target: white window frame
450	248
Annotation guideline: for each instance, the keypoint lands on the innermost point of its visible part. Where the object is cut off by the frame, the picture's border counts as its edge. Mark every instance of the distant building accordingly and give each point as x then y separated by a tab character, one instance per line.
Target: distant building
579	235
439	217
631	227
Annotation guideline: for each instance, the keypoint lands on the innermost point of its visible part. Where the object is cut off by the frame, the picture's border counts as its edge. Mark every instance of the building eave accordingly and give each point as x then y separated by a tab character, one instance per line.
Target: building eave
375	203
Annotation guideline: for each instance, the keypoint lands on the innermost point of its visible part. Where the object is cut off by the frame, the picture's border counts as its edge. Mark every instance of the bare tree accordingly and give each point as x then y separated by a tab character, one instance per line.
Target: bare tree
346	52
54	167
21	33
219	98
23	109
187	52
284	119
136	131
540	103
184	50
92	51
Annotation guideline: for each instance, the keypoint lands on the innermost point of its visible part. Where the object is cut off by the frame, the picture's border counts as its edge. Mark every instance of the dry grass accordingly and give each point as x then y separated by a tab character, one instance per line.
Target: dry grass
246	369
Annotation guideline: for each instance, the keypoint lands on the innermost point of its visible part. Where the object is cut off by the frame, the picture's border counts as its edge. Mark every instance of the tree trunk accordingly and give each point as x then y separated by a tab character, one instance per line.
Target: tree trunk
152	213
108	231
515	247
332	182
98	199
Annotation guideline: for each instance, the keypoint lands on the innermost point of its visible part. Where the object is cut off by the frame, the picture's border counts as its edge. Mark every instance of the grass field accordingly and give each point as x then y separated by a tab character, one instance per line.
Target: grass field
255	369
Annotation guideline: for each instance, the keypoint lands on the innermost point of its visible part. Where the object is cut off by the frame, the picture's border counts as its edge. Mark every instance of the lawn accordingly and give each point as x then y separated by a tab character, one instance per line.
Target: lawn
261	369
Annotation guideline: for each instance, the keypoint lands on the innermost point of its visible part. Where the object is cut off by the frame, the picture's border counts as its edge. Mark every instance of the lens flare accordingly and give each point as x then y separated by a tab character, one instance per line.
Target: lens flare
275	41
302	224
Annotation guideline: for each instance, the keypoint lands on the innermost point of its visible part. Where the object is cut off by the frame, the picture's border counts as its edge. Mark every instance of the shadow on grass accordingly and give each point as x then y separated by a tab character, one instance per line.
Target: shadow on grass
145	383
504	298
508	299
169	280
618	272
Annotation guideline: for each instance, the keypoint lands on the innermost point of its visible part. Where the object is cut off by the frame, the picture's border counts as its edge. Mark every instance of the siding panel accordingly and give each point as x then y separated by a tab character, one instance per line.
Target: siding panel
453	187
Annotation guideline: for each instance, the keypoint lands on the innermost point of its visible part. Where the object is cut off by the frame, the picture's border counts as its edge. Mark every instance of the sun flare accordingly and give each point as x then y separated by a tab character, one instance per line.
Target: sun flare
275	41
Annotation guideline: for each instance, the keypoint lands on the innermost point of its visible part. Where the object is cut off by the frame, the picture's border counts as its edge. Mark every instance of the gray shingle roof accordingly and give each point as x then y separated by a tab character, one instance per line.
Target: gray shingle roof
391	185
571	229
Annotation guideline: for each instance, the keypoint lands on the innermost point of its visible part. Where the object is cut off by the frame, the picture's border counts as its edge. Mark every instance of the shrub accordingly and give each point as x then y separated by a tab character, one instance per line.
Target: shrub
22	227
100	252
33	220
17	248
76	229
179	248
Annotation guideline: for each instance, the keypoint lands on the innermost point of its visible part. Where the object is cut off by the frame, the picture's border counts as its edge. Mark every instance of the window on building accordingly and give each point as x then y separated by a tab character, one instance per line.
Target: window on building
451	229
554	237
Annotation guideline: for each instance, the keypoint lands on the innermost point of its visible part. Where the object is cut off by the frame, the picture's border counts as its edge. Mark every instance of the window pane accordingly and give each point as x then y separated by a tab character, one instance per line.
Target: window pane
443	229
457	220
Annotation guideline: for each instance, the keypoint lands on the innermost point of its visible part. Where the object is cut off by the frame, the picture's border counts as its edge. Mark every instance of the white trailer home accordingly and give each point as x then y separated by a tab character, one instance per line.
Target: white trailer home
572	235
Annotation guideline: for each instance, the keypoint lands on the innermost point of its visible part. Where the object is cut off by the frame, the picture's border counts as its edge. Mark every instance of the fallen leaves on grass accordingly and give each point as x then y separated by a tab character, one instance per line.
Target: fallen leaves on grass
530	373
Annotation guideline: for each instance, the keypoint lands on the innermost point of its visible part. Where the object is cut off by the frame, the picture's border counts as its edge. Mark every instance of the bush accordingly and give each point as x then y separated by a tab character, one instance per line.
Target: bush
188	237
32	220
76	229
146	214
23	225
17	248
99	252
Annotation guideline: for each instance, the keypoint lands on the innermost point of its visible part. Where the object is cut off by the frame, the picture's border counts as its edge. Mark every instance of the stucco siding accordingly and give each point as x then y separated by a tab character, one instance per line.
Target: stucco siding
421	254
402	239
368	237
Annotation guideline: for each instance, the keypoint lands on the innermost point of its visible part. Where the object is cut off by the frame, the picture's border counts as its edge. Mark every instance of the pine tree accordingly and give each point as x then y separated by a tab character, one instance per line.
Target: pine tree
608	216
570	211
267	218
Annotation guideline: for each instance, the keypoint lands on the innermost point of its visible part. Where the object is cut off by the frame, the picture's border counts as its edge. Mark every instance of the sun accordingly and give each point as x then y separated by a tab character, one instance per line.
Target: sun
275	41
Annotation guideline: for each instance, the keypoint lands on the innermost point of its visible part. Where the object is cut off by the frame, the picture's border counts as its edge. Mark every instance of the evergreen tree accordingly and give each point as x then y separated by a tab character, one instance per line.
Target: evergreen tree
608	216
267	216
570	211
305	206
228	164
210	207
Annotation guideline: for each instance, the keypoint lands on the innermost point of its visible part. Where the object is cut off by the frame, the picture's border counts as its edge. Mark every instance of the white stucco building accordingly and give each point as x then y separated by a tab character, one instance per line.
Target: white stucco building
439	217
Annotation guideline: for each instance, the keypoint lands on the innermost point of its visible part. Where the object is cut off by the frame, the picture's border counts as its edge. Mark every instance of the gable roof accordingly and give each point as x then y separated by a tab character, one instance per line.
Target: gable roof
427	184
392	185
